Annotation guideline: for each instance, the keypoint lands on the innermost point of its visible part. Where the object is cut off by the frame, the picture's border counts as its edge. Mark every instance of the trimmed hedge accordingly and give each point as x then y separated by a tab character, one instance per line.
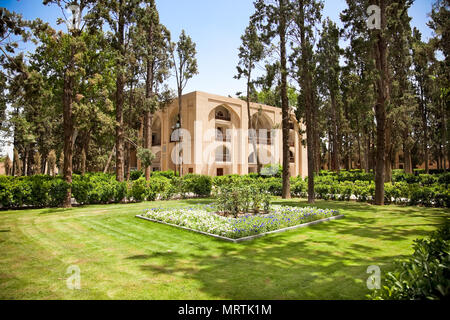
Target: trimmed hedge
36	191
99	188
426	190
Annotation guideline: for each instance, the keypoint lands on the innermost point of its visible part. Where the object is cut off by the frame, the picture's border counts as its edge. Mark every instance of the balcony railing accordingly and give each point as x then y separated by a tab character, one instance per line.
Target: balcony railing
156	143
220	138
292	159
262	141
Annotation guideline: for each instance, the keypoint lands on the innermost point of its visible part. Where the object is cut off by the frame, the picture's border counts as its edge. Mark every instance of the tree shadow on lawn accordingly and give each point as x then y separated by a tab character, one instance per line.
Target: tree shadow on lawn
282	267
326	261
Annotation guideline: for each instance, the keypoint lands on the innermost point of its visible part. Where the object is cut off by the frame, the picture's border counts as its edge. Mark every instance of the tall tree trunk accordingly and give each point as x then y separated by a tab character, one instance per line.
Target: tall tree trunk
250	122
127	161
367	153
330	151
68	127
109	160
407	158
382	85
389	153
179	154
317	149
444	134
25	162
424	113
148	117
284	102
84	152
306	82
336	159
120	84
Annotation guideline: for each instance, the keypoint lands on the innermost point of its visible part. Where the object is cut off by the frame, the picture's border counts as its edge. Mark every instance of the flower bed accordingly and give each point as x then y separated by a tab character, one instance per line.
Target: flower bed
199	219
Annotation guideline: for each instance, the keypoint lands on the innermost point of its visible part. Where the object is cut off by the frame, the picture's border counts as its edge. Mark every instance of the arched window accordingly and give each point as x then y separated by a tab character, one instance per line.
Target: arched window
222	114
156	132
251	158
223	154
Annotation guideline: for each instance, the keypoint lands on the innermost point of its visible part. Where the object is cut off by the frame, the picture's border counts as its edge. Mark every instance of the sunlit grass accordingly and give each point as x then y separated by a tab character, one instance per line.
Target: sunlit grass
121	257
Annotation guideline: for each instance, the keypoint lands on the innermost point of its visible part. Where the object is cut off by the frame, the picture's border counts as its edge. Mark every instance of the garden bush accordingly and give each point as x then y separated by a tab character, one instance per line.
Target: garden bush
136	174
198	185
240	199
424	276
170	174
139	190
95	188
35	191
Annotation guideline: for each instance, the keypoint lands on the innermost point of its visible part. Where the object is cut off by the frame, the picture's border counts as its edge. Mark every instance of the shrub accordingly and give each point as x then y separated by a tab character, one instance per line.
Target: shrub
21	192
199	185
322	191
424	276
120	191
354	175
80	189
139	189
136	174
102	188
166	174
299	188
272	185
57	191
421	195
345	190
242	198
444	179
361	190
427	179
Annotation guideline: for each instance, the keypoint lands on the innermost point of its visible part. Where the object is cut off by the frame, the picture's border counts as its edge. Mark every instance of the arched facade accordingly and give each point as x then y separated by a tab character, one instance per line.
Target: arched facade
218	141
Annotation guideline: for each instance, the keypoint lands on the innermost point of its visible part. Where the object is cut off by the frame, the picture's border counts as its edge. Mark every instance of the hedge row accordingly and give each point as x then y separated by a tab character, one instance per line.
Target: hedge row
98	188
419	176
39	191
329	187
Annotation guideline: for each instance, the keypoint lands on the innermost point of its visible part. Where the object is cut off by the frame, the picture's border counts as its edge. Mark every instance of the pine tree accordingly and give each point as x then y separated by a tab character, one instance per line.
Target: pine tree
185	65
250	52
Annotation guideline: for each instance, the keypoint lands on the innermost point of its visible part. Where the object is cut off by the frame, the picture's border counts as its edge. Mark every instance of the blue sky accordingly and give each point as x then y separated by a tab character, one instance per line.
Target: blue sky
215	26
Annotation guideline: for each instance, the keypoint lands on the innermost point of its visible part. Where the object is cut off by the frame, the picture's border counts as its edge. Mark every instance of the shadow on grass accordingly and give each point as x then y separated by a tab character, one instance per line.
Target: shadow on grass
277	269
324	261
56	210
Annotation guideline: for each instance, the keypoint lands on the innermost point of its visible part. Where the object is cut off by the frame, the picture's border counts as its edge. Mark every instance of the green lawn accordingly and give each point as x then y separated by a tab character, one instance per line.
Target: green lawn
122	257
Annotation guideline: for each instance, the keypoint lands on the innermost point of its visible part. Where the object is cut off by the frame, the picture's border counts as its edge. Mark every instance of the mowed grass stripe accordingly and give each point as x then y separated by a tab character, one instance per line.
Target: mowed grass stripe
122	257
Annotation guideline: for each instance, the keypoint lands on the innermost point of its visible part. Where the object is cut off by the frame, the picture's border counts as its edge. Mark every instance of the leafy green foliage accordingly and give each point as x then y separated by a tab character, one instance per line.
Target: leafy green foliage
35	191
243	198
197	184
425	275
146	156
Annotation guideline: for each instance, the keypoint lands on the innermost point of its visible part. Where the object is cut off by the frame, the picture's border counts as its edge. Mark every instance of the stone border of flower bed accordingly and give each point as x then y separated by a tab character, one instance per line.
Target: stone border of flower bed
250	237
